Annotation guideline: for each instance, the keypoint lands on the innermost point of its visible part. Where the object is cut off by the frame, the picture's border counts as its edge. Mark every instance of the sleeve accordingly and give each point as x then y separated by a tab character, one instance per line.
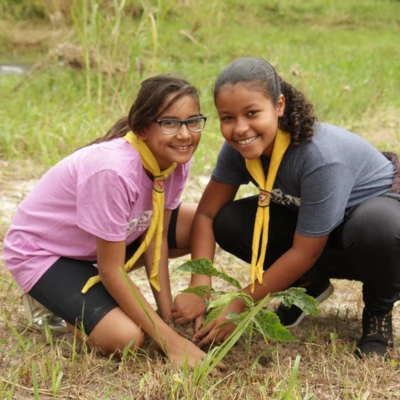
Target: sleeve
324	196
103	205
230	168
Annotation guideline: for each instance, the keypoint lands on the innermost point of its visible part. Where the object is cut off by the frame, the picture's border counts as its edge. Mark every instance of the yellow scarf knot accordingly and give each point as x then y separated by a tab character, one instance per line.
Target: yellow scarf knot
282	142
156	224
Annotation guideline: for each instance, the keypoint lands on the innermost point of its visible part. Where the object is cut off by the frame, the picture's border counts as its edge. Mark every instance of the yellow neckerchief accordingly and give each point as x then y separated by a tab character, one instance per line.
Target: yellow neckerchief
156	224
282	142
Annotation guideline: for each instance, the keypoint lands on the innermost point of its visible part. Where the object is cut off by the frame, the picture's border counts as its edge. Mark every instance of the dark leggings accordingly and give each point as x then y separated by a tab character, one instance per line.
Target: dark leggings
59	289
364	247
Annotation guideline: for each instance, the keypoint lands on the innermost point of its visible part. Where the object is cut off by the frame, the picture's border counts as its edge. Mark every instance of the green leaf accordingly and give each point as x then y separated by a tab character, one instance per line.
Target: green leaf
234	316
214	314
297	296
230	280
223	301
200	291
203	266
268	323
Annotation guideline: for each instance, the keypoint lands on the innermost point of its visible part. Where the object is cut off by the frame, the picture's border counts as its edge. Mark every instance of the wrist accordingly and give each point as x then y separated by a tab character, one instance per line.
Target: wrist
238	305
166	316
200	280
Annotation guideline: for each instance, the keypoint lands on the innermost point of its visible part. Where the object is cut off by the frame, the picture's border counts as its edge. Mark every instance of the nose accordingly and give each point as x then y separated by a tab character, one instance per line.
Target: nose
183	131
240	127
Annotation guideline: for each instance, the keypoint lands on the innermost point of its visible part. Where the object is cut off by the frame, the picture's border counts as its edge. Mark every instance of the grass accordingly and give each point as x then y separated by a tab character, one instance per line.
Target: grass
342	55
89	58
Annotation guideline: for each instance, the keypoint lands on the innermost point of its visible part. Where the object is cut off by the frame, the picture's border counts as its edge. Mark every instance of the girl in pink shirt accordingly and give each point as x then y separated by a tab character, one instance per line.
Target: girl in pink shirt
90	213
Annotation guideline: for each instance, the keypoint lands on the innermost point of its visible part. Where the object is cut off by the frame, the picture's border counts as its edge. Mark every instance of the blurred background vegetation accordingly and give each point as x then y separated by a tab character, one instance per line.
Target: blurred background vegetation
81	64
86	60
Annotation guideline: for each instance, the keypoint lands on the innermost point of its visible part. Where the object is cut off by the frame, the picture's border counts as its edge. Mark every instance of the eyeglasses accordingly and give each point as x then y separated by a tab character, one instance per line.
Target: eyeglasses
172	126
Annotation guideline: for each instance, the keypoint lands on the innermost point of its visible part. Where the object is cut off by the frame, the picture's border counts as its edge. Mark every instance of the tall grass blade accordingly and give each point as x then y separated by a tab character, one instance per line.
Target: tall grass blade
34	382
16	334
142	305
293	379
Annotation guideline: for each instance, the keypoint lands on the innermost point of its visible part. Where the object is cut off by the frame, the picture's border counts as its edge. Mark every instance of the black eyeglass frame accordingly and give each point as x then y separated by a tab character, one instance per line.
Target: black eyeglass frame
181	122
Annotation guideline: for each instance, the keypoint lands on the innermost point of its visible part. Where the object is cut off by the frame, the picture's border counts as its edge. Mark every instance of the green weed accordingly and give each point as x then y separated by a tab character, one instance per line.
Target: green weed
255	317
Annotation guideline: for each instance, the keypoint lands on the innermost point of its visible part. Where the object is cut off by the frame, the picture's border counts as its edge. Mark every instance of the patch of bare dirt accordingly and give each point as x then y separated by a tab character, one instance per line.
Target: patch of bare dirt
325	342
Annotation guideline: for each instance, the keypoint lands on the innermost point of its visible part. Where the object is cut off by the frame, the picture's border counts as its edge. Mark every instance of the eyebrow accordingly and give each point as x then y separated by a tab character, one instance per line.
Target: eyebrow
250	106
176	118
253	105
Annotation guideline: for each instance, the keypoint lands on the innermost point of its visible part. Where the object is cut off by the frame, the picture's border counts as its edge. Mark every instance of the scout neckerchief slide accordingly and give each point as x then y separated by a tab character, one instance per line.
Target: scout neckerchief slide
282	142
156	224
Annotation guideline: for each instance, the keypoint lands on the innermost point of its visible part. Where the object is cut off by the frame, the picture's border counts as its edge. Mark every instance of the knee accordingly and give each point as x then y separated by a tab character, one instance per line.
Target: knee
132	338
115	341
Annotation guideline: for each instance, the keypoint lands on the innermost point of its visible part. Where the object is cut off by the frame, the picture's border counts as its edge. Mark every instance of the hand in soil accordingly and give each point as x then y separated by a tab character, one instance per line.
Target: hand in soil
188	307
185	352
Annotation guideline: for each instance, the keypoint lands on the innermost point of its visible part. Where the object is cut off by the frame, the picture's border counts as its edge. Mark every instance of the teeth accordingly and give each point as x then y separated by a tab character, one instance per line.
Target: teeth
181	147
246	141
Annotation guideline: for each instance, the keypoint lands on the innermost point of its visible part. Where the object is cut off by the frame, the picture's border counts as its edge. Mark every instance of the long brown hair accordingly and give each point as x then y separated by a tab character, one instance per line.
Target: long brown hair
145	109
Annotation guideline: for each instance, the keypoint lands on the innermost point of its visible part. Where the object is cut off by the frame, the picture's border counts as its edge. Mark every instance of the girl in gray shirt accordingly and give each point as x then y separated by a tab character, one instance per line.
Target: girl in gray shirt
327	208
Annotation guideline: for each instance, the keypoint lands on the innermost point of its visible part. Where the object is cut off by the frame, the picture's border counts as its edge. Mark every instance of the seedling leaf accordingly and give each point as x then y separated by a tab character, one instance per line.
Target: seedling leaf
203	266
297	296
268	324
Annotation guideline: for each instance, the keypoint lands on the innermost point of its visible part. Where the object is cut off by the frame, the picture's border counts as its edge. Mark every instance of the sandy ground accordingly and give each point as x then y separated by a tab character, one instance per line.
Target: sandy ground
341	313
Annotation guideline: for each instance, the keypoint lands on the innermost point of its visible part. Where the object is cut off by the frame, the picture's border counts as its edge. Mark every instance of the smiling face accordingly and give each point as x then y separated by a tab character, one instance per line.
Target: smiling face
248	119
180	146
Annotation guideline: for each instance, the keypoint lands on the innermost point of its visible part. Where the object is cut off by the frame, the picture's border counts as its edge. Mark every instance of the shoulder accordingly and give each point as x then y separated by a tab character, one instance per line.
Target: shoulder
115	157
328	136
332	144
231	167
115	154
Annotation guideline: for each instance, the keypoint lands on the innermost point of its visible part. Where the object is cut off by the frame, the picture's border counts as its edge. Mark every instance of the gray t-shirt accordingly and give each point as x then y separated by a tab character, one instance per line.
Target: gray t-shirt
321	179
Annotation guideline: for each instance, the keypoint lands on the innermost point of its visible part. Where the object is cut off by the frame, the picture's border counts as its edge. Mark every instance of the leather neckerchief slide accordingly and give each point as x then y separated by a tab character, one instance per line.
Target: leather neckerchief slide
282	142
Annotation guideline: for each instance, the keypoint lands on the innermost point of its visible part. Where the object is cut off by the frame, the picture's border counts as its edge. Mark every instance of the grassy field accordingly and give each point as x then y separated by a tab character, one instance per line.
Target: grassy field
88	59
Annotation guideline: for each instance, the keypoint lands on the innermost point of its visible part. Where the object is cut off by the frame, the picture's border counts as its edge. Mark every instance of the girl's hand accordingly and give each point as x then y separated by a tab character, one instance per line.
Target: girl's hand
188	307
183	350
212	332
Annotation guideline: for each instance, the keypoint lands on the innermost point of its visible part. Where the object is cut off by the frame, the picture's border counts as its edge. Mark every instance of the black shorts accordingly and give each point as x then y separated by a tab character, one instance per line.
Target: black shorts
59	289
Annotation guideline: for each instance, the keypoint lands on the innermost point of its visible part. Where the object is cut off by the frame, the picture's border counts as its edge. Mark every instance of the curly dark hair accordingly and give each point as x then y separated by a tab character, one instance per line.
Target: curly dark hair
146	107
298	118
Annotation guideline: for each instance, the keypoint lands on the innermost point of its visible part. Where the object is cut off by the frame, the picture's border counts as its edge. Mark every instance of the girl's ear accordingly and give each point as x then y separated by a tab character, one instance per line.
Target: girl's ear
280	105
142	134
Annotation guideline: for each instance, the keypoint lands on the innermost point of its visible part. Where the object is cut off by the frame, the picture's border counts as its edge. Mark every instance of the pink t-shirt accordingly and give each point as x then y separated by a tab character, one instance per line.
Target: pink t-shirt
99	191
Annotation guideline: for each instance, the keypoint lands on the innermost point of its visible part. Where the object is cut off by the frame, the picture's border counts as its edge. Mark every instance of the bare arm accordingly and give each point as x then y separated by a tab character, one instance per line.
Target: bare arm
289	267
304	252
189	307
110	257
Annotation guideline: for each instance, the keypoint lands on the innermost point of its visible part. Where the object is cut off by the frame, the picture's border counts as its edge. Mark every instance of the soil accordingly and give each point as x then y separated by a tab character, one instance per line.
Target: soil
337	325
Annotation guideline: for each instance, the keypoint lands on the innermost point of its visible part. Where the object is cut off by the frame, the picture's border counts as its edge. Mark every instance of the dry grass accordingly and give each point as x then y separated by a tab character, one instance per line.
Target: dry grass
328	369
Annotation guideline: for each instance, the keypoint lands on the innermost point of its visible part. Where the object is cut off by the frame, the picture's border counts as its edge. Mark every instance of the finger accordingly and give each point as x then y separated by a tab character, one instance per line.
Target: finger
222	366
203	331
226	336
198	322
207	339
182	320
176	314
219	337
216	374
